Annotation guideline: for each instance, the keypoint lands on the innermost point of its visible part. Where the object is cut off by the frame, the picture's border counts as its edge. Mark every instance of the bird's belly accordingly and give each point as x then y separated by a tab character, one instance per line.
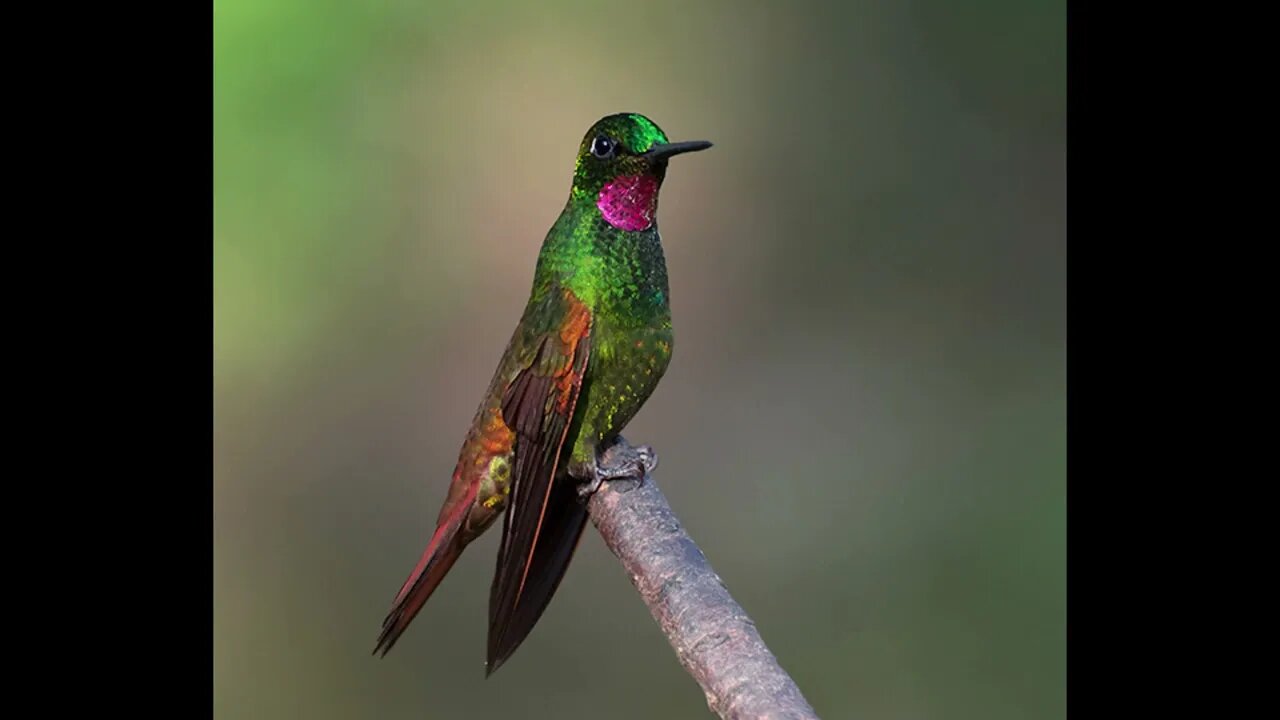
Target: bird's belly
623	371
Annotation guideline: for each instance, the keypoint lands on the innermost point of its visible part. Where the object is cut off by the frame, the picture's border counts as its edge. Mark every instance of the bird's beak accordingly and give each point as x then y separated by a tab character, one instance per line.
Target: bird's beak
666	150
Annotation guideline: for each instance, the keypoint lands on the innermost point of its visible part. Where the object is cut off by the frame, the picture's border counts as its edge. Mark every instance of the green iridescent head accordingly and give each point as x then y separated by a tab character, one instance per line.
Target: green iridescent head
624	145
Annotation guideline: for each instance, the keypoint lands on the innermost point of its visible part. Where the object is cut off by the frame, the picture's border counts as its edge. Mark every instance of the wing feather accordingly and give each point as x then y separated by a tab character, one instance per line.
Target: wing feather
544	521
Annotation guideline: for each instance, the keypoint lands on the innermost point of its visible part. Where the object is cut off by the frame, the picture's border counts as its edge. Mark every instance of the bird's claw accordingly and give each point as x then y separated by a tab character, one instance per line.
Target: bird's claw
620	461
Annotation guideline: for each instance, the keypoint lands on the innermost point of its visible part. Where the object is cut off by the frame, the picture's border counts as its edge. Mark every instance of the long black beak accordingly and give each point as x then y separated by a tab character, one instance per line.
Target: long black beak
666	150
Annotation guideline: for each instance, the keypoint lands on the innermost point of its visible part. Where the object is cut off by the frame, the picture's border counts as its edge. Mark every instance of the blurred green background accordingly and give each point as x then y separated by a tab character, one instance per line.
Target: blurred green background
864	424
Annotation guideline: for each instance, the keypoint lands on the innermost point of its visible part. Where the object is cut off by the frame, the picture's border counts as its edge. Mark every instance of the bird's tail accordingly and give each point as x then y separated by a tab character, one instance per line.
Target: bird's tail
529	575
441	553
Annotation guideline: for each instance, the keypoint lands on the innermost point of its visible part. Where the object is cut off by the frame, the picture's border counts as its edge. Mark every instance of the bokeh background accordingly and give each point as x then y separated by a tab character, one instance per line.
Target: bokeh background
864	425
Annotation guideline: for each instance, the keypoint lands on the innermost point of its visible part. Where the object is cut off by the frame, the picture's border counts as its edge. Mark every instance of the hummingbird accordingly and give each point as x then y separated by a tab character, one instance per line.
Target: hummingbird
593	342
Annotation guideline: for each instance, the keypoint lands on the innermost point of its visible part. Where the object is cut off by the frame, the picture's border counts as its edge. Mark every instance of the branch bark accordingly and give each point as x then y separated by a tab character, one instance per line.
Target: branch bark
712	635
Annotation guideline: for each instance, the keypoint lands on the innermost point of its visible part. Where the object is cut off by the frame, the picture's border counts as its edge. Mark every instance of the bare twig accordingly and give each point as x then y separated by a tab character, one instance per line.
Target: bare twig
712	636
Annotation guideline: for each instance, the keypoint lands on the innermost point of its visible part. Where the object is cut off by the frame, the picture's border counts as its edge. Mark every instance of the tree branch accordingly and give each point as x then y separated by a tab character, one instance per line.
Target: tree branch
712	635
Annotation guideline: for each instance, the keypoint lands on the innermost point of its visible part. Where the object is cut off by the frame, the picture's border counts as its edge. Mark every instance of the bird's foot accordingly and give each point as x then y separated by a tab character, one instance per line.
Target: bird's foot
620	461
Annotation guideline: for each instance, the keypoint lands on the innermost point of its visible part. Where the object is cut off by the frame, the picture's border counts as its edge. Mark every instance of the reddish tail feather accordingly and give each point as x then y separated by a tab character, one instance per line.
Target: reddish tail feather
441	553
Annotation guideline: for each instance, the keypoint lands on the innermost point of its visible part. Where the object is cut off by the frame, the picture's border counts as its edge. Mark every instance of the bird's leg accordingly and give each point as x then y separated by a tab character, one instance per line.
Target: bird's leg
619	461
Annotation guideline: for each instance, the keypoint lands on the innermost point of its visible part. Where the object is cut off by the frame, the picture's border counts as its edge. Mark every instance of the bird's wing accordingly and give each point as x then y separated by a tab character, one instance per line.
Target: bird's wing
544	520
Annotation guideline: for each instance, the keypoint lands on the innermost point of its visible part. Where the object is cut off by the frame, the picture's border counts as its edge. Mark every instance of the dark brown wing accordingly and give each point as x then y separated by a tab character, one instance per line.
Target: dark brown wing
544	519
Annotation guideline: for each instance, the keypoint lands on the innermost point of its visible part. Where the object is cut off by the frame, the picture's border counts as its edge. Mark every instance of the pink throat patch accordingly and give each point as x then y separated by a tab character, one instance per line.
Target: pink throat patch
628	203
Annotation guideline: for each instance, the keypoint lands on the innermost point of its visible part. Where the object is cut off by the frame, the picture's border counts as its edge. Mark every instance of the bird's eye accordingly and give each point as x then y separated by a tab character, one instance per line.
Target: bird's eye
602	147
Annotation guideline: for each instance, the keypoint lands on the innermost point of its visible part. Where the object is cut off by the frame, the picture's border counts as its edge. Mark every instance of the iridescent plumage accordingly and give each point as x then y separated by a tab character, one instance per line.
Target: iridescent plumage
593	342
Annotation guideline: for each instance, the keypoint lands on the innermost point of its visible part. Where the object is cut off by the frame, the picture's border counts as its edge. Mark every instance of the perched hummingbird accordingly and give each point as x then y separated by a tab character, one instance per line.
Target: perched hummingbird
593	342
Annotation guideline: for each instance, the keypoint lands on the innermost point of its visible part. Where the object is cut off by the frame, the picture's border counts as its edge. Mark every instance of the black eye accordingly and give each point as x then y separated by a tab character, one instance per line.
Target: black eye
602	147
